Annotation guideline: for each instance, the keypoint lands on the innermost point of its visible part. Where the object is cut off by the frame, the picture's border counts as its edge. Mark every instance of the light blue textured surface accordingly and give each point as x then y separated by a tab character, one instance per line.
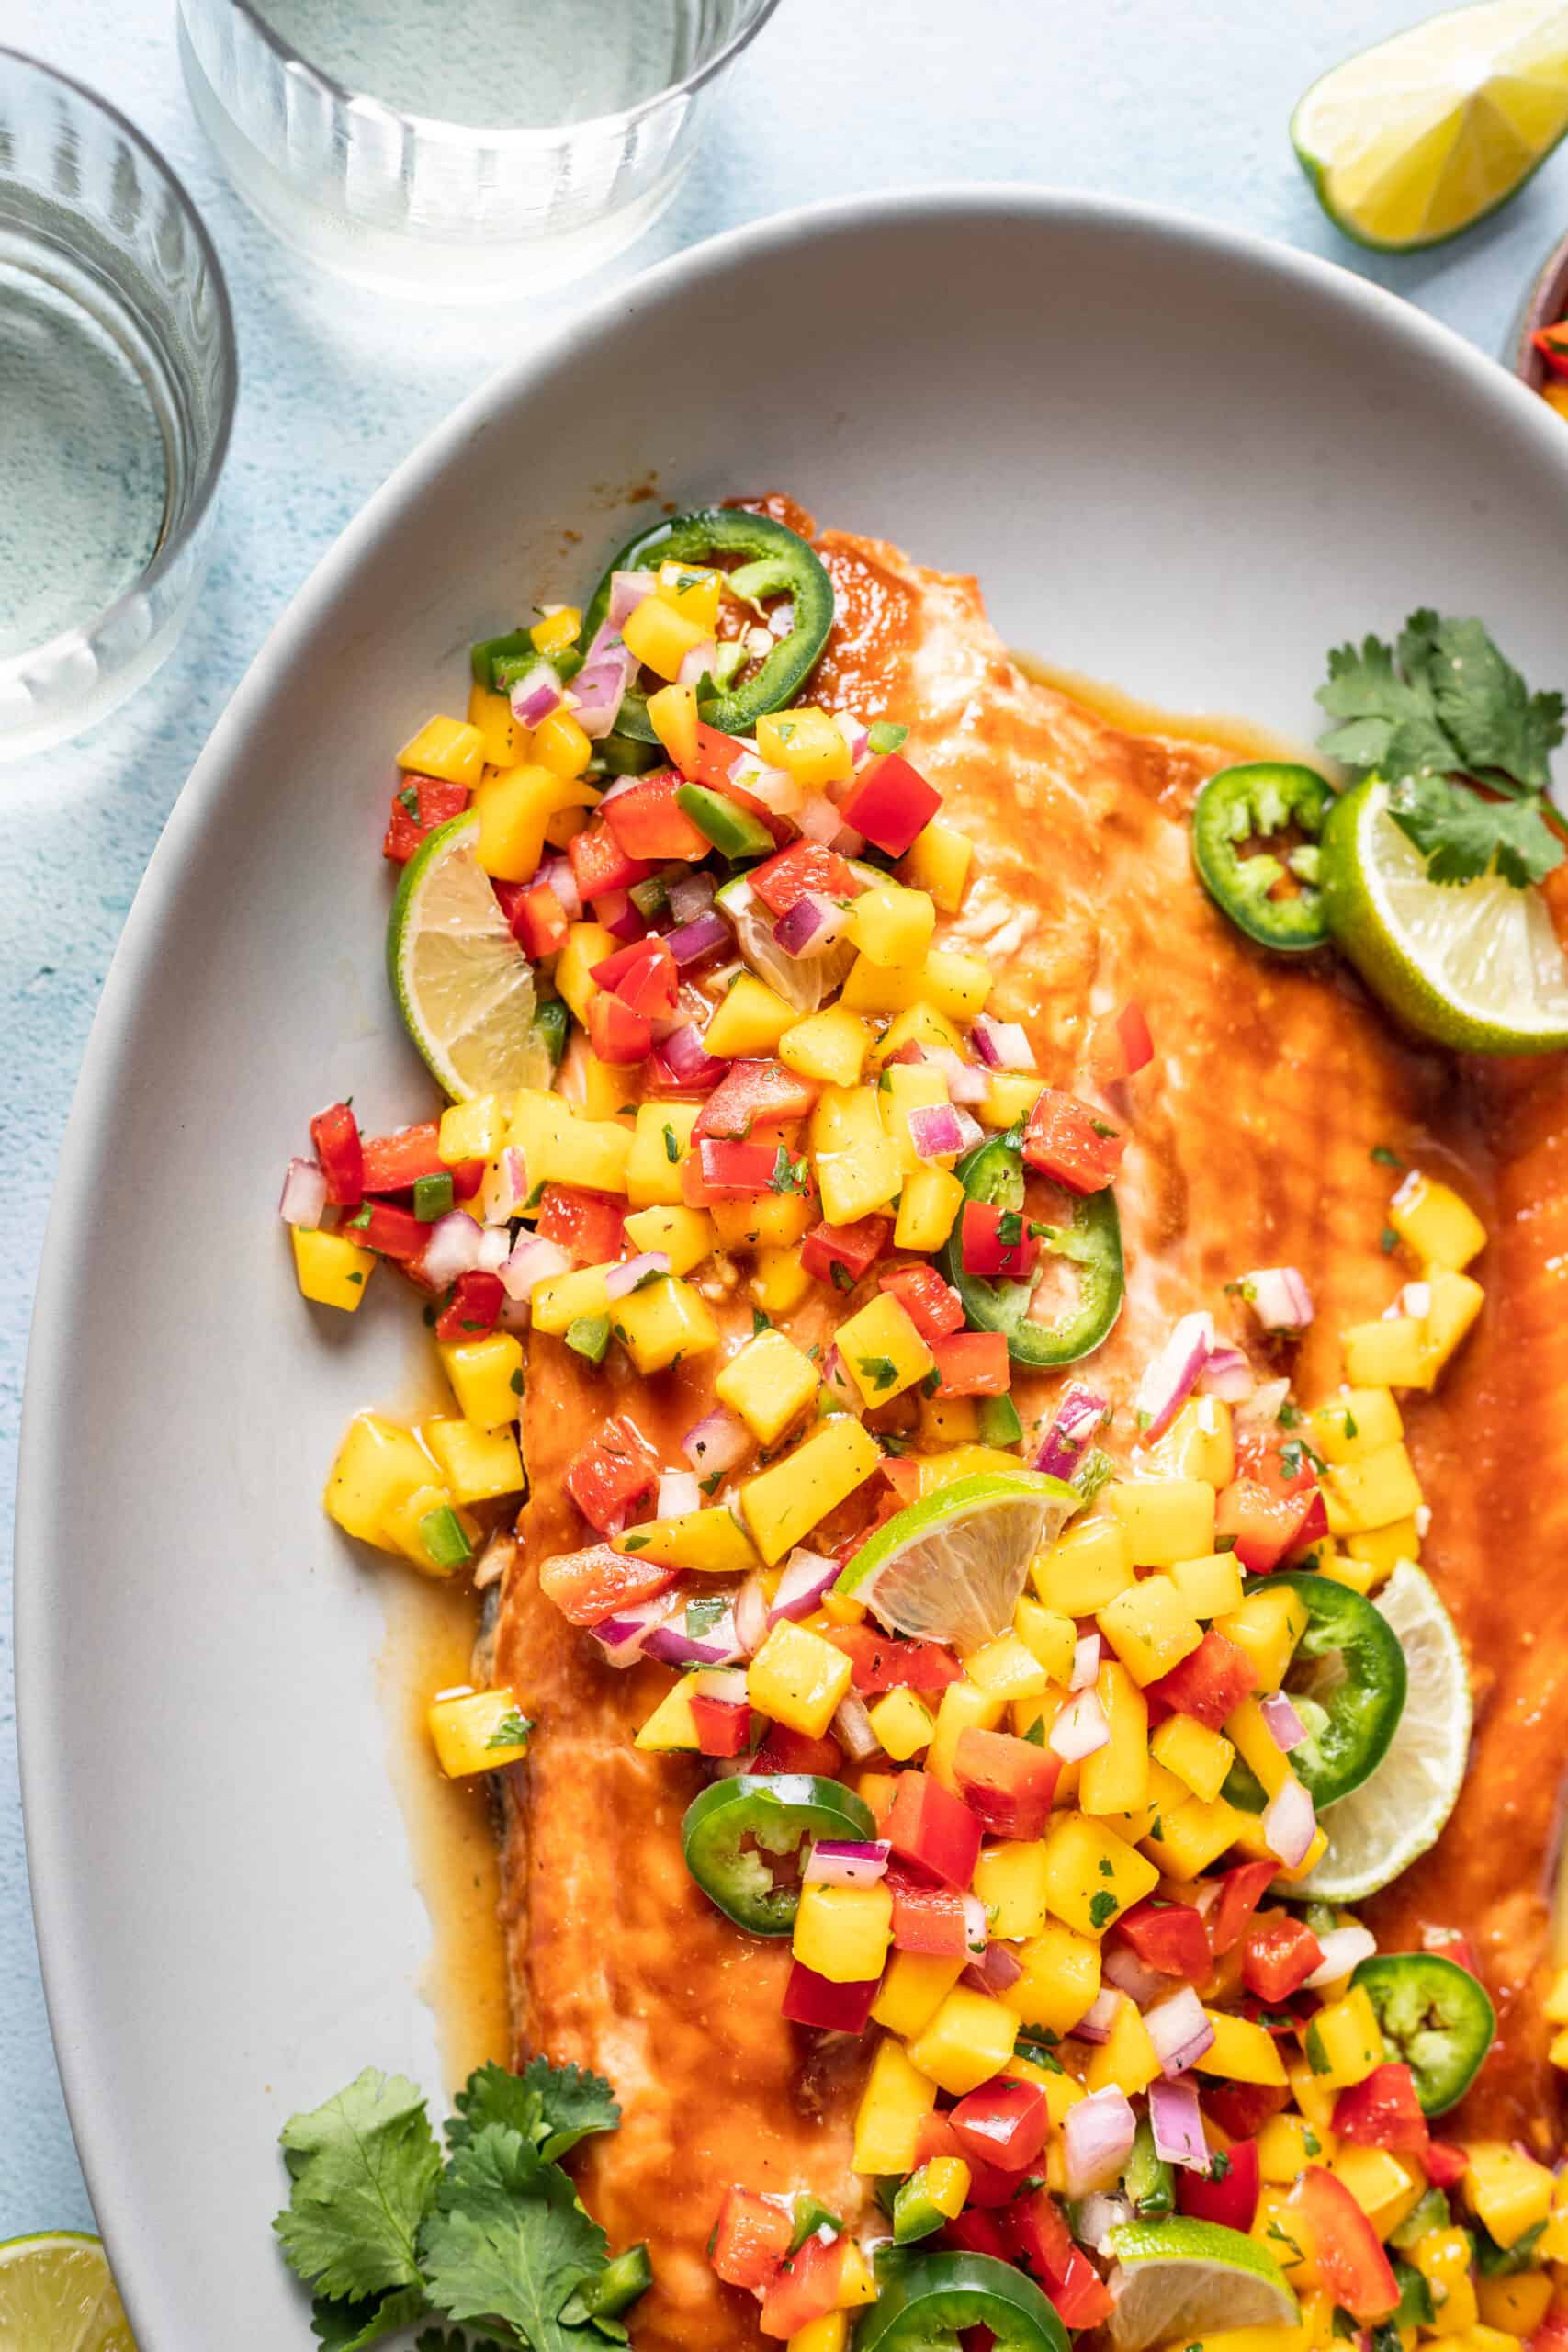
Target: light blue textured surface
1186	106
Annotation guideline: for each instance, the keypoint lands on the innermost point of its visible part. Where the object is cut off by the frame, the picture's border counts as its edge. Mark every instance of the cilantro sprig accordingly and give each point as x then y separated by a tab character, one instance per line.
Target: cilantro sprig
384	2233
1438	714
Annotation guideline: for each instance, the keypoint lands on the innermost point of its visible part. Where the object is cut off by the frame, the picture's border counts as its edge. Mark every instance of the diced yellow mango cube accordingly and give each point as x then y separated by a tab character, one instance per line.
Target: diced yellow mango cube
906	1087
779	1282
1443	2258
928	1205
563	746
1087	1566
1507	2189
962	1706
476	1731
1344	2043
1048	1635
330	1269
1312	2094
514	807
1390	1353
1150	1627
807	744
1385	2185
797	1679
1010	1095
448	748
672	1724
1372	1491
1382	1548
1091	1874
880	1348
769	1384
1128	2059
1432	1219
1341	1567
783	1502
896	2101
1198	1443
1554	2009
1116	1779
938	860
1009	1880
857	2286
1356	1422
969	2040
1164	1520
478	1465
662	1138
1186	1839
828	2333
709	1543
378	1467
1241	2051
661	638
1199	1757
949	1421
487	1378
1268	1627
692	591
587	944
843	1932
914	1988
918	1025
673	714
558	629
749	1020
1456	1301
1210	1587
1517	2306
1288	2144
1256	1747
1061	1977
560	1299
1008	1669
764	1220
831	1045
473	1130
504	738
903	1723
891	924
664	1324
856	1183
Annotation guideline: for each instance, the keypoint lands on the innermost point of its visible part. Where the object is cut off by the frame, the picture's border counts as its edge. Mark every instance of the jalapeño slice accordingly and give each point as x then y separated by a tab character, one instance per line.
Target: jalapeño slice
927	2302
1089	1244
1434	2015
737	1830
1271	894
1346	1682
786	567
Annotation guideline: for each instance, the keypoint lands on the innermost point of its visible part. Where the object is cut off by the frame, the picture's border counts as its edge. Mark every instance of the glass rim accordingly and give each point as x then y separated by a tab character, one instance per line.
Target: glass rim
205	480
442	129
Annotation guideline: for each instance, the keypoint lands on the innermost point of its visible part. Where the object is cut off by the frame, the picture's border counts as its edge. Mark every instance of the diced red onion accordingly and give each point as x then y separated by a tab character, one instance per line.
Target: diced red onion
994	1972
505	1186
1176	2121
691	894
1098	2133
1285	1726
1226	1374
851	1729
495	1249
1170	1378
513	1314
967	1082
1261	1410
682	1063
1343	1949
1279	1298
854	733
970	1129
627	590
698	661
1098	2020
715	1443
1001	1045
752	1614
818	819
678	1494
673	1645
304	1197
1290	1823
453	1248
846	1861
1180	2032
626	922
533	1262
812	925
1122	1967
934	1130
558	875
624	1631
1080	1414
599	687
1097	2216
705	935
775	787
725	1683
536	694
1080	1729
1086	1662
977	1926
807	1577
625	1278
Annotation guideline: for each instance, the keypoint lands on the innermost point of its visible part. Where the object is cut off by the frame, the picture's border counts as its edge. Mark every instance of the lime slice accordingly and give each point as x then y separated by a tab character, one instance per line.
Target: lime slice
464	987
952	1565
56	2295
1179	2279
1475	965
1380	1827
1411	142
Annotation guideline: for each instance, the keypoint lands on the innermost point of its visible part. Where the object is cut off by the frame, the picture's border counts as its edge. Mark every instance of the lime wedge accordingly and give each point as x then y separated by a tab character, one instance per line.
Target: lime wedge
464	987
1411	142
56	2295
1179	2281
1475	965
952	1565
1380	1828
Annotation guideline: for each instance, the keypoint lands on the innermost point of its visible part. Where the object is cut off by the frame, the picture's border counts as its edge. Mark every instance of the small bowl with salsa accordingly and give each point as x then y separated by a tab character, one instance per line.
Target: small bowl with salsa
1540	351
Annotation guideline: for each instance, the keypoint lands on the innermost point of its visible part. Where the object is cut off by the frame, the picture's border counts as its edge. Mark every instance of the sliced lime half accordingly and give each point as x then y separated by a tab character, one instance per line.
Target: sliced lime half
1178	2281
464	987
56	2295
950	1567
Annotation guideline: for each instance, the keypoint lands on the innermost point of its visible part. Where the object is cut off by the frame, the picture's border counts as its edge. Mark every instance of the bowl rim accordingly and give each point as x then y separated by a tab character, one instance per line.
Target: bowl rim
113	2168
204	489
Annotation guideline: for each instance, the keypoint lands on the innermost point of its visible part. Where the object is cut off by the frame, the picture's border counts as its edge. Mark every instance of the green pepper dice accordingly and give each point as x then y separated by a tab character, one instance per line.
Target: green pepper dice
1090	1242
1258	803
1434	2015
735	1829
1346	1682
774	561
927	2301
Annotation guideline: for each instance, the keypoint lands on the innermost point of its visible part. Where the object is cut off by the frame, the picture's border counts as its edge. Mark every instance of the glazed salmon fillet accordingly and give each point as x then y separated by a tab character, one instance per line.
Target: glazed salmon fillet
1251	1143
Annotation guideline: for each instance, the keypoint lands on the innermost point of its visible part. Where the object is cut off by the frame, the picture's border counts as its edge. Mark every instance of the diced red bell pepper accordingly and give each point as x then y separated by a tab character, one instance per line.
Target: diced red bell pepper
971	1363
784	1750
1232	2200
890	802
1120	1045
1002	2123
1241	2109
1551	2335
535	916
616	1468
394	1163
753	1090
751	2238
1348	2251
1383	2112
933	1831
1039	2240
594	1582
1210	1682
1552	345
781	881
471	1310
1446	2162
593	1226
648	823
1263	1527
643	976
723	1725
717	754
1068	1141
810	2000
1008	1784
881	1662
932	1306
850	1250
994	1241
1168	1937
598	864
335	1136
618	1036
973	2232
804	2287
1241	1891
393	1232
1279	1955
989	2184
928	1919
731	1170
434	802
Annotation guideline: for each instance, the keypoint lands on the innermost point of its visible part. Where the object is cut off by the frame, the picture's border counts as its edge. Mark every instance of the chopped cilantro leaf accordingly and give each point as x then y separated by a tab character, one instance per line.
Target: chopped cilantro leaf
1388	1240
1383	1156
512	1731
1103	1910
362	2167
881	1370
671	1147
